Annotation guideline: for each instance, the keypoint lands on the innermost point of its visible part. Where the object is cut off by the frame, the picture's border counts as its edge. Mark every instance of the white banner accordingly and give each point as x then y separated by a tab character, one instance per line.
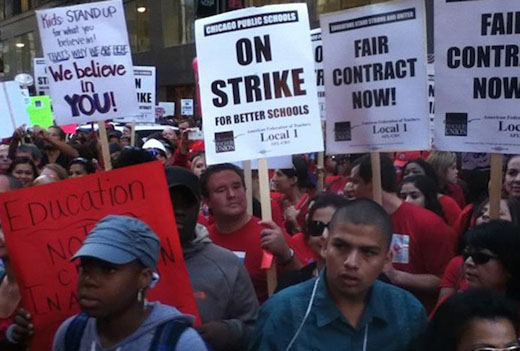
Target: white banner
41	82
13	108
145	87
317	47
257	84
476	71
89	64
375	78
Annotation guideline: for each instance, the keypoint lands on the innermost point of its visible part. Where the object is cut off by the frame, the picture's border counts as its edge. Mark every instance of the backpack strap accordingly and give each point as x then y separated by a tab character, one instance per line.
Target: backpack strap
168	334
75	331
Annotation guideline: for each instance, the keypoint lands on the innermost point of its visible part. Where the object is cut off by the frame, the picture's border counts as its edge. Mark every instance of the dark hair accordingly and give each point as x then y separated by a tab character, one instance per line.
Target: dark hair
363	212
300	170
32	149
131	156
513	204
429	190
388	174
23	160
323	201
427	168
206	175
61	132
89	166
454	316
503	239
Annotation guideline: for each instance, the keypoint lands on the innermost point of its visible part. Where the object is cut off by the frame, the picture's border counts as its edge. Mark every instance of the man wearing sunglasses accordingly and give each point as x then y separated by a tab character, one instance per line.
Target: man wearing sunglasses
345	307
422	242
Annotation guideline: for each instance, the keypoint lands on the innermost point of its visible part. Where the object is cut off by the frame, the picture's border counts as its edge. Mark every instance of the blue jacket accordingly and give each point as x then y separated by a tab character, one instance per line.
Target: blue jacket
391	320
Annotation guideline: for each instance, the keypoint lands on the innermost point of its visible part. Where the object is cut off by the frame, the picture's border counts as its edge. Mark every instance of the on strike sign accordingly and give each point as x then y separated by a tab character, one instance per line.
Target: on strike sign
476	71
89	64
375	81
44	227
258	94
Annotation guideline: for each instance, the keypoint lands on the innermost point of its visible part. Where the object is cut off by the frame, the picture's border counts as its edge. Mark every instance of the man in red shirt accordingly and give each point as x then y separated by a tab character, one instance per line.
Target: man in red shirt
223	188
422	242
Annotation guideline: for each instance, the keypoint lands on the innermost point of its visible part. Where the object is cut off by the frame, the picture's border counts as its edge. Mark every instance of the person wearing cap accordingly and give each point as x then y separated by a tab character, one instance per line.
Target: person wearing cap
223	290
156	149
117	263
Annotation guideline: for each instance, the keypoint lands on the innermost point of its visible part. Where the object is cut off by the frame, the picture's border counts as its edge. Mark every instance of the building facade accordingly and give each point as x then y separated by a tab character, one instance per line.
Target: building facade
161	34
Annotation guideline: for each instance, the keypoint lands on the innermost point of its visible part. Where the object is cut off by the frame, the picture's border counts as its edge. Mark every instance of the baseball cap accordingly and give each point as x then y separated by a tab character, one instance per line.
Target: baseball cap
121	240
180	176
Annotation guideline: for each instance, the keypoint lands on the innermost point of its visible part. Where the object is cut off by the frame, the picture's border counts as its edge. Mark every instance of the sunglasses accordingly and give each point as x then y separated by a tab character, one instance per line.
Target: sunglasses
316	228
510	348
478	257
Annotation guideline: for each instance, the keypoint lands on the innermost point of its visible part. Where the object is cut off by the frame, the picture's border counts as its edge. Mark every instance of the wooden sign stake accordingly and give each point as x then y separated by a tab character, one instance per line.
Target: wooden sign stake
104	146
248	177
495	188
376	177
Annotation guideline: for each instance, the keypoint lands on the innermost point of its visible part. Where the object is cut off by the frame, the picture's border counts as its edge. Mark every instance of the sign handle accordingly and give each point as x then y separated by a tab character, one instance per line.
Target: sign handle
104	145
376	177
132	134
321	172
265	200
248	176
495	188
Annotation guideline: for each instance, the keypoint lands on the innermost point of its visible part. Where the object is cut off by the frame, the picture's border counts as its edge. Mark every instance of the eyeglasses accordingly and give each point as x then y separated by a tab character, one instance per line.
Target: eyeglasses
316	228
478	257
510	348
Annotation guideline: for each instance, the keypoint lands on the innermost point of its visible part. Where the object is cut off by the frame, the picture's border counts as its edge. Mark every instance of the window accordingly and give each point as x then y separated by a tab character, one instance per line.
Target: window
2	10
24	52
138	21
4	58
178	19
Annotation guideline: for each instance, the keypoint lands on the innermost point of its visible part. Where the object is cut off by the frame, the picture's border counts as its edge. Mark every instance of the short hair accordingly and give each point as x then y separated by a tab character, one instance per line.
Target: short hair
191	122
59	170
89	166
455	315
503	239
388	173
300	170
440	162
205	177
323	201
23	160
363	212
131	156
31	149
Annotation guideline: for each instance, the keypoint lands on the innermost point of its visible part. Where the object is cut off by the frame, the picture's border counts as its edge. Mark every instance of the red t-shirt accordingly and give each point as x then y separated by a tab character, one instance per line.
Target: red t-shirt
454	275
302	251
336	184
450	208
423	244
455	191
246	241
465	221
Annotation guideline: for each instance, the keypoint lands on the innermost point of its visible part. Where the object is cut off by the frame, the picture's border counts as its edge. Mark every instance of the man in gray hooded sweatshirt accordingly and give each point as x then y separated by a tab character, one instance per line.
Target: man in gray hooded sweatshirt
223	289
116	267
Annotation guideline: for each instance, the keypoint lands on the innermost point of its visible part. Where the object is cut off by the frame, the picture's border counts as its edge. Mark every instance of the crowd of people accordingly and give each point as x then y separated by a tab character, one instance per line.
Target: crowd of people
427	269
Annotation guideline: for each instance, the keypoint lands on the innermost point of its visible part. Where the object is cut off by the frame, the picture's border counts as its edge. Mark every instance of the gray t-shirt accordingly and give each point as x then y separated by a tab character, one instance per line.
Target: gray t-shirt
140	340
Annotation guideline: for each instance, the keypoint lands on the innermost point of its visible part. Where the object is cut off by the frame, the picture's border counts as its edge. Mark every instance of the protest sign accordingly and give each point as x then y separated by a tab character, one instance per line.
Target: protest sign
187	107
13	108
40	76
258	94
317	47
45	225
145	86
279	162
164	109
476	72
88	60
375	81
40	111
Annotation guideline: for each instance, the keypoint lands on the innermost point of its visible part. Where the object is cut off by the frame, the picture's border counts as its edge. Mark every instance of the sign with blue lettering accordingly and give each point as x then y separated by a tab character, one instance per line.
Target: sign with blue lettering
88	61
375	78
257	84
477	81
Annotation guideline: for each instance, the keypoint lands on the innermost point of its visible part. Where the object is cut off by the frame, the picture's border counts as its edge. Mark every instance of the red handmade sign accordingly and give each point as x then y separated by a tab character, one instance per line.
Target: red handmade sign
45	225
